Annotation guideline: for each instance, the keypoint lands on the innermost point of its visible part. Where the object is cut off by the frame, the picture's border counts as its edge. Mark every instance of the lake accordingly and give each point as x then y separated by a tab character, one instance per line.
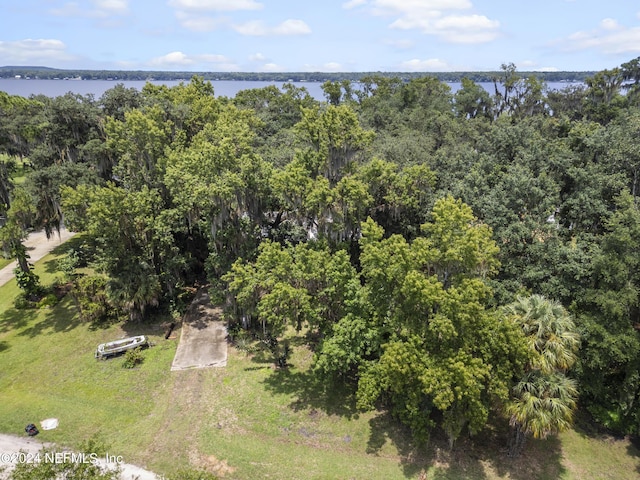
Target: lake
56	88
226	88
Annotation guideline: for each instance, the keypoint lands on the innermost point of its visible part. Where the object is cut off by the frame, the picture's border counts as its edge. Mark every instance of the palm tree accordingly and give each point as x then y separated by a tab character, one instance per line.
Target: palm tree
543	401
550	331
135	287
542	404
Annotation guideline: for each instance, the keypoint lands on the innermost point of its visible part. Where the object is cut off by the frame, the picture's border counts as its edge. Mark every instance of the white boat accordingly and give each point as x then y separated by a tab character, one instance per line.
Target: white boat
105	350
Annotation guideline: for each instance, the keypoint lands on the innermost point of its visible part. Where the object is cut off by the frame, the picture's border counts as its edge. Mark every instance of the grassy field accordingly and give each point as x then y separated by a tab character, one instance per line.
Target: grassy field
4	261
244	421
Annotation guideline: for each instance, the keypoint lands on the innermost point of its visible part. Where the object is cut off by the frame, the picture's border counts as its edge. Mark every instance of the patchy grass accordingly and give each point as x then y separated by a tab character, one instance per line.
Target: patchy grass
4	261
246	420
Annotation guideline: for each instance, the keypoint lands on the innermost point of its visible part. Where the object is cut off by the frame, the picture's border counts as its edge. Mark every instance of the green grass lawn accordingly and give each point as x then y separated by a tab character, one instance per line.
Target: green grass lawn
244	421
5	261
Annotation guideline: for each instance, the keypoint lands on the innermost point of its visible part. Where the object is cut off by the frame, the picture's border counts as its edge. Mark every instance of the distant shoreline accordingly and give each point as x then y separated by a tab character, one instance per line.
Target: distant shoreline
46	73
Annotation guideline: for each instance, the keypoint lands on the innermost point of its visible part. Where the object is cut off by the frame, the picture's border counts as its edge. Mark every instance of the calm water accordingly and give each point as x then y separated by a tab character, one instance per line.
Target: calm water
227	88
55	88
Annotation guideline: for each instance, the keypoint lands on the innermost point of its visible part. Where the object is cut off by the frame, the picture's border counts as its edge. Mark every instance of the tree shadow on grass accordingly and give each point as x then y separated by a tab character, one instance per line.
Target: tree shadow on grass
432	460
14	319
155	322
59	318
78	243
633	450
312	392
414	458
51	266
540	459
479	457
3	346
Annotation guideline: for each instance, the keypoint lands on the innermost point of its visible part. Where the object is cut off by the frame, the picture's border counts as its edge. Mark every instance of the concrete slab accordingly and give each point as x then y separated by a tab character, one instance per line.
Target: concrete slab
38	245
11	445
203	339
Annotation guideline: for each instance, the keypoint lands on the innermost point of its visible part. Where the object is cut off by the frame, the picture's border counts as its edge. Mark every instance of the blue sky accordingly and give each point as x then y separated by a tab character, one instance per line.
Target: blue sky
326	35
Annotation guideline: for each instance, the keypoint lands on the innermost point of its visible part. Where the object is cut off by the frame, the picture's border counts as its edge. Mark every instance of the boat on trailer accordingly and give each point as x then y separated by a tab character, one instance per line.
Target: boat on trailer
116	347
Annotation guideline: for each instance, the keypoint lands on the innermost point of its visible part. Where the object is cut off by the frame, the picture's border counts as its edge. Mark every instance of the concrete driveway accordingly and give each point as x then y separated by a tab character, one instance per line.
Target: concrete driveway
38	245
203	339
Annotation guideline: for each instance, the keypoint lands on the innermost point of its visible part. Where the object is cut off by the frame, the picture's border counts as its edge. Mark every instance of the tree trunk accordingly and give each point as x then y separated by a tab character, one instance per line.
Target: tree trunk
517	441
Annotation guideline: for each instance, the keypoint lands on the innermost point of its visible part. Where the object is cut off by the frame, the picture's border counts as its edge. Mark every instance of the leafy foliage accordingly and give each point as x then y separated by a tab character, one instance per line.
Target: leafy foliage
544	399
388	224
133	358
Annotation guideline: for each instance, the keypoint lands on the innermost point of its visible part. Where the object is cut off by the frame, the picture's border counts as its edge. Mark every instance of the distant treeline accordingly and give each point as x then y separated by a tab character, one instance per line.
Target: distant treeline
52	73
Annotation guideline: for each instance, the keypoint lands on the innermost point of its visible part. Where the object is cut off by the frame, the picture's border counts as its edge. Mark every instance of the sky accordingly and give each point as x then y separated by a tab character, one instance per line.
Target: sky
325	35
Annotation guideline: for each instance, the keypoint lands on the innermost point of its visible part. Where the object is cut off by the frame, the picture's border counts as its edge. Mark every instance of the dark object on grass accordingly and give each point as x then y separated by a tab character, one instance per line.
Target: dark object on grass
31	430
171	327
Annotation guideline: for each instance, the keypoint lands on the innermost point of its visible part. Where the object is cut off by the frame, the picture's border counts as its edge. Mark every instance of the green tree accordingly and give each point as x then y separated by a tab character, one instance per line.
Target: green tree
608	368
604	100
138	143
128	229
473	101
334	138
442	349
7	167
301	286
12	235
544	399
118	100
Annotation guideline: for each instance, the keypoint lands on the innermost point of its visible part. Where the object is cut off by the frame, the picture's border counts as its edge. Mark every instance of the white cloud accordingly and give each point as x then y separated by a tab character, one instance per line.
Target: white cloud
403	44
257	57
215	5
531	66
190	12
182	60
272	67
332	67
99	9
198	22
292	27
119	7
609	37
35	52
609	24
429	65
440	18
172	59
453	28
353	4
258	28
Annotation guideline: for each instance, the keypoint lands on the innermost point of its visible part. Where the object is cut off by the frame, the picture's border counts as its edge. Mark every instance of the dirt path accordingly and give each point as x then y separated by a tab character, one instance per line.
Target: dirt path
203	340
11	445
38	245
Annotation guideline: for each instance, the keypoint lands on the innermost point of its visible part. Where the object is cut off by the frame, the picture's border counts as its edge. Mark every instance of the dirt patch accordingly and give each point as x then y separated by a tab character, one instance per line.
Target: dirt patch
203	339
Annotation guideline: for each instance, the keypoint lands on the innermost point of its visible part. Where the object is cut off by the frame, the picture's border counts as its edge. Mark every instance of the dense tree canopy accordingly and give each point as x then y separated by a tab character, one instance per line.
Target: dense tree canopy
440	253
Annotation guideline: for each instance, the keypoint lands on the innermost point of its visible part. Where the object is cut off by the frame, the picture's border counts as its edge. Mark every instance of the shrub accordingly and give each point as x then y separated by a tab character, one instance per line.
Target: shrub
133	358
48	300
91	299
22	302
28	282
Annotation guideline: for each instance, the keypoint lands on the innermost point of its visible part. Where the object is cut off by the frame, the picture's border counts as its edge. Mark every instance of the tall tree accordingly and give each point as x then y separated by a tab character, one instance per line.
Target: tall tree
443	349
544	399
20	217
610	316
129	231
